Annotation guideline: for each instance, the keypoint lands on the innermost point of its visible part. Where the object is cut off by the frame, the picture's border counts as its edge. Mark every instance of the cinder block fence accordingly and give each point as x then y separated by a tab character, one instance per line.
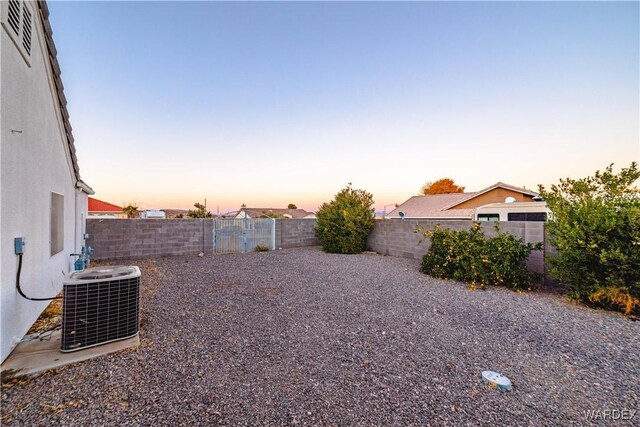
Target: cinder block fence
141	238
398	237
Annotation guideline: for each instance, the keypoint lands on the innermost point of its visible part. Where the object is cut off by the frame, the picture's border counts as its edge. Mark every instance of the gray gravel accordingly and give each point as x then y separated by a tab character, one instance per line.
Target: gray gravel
302	337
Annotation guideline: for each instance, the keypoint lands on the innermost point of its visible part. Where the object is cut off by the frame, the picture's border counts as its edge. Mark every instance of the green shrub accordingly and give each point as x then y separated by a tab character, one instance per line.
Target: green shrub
595	226
199	212
344	223
262	248
471	257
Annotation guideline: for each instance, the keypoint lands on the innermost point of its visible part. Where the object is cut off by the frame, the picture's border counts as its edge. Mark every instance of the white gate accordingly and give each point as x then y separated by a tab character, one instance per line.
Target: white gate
243	235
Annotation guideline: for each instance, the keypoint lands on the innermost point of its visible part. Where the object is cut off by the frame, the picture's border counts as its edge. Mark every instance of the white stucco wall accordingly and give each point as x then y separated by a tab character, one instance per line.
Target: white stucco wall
34	163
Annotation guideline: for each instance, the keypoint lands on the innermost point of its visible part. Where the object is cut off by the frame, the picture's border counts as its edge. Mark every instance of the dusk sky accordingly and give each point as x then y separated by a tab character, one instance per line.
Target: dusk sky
274	103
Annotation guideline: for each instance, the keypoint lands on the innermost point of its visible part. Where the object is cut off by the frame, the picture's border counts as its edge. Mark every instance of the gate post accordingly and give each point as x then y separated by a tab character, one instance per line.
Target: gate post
245	242
213	238
273	234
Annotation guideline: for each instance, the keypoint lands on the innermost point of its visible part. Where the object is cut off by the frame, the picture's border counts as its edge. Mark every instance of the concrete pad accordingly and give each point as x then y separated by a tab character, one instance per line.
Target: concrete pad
38	355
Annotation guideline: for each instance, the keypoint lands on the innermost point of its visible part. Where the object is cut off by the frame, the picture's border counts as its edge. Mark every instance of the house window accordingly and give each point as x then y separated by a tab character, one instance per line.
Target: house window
488	217
57	223
18	23
527	216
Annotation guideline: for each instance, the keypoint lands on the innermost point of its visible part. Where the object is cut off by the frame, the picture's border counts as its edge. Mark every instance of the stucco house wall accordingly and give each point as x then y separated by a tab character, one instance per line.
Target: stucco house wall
35	160
497	195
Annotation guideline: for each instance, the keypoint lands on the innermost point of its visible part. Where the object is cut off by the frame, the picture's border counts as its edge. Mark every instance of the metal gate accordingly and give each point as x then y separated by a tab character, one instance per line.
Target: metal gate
243	235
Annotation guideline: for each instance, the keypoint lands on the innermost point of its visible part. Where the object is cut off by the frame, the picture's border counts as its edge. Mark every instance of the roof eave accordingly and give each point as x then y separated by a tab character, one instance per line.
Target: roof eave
80	184
62	101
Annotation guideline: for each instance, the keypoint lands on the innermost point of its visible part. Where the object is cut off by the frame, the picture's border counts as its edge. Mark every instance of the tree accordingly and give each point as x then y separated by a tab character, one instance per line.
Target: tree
292	206
344	223
441	186
131	210
199	212
595	226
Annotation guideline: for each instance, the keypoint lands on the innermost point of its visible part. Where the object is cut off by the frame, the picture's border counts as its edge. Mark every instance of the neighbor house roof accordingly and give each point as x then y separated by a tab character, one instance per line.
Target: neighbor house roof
433	207
441	205
62	100
96	205
256	212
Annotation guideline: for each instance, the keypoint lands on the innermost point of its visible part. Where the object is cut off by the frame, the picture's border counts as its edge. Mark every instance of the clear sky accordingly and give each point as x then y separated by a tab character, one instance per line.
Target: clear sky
274	103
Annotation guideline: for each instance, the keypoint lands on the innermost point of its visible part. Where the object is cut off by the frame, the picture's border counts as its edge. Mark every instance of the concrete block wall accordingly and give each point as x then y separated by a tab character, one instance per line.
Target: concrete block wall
398	237
140	238
294	233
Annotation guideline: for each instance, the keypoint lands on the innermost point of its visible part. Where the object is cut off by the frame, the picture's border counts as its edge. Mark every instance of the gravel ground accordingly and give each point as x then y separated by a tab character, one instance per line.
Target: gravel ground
302	337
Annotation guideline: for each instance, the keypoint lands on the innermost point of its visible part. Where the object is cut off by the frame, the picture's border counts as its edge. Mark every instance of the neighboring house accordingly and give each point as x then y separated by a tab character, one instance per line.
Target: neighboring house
245	212
43	198
460	205
515	211
99	208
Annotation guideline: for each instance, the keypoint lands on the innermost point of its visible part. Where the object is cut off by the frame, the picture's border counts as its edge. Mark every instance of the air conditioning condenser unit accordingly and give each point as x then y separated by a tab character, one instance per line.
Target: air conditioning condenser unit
100	305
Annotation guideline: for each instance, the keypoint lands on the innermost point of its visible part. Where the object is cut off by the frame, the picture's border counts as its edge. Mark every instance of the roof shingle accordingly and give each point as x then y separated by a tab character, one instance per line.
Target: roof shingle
432	207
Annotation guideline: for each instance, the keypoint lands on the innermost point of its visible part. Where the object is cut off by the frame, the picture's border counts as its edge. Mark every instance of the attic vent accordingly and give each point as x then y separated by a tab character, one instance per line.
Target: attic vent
14	15
26	29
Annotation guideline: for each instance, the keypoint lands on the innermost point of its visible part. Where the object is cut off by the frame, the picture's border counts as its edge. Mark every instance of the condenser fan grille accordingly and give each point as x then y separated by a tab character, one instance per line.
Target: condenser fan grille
100	311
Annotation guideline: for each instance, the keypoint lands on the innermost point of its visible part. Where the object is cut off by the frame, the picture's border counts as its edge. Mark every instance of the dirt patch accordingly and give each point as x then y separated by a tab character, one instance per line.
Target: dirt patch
50	318
273	290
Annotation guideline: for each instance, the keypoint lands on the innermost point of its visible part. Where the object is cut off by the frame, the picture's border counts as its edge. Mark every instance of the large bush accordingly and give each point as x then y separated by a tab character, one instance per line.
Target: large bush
344	223
595	226
471	257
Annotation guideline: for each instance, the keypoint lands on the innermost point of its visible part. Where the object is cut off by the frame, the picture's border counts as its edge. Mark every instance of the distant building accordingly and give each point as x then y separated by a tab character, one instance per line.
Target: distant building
152	214
98	208
460	205
245	212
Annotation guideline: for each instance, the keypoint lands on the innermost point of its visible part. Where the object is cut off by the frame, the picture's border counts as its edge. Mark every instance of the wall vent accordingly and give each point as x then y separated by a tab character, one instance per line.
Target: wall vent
100	305
20	20
26	29
14	16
